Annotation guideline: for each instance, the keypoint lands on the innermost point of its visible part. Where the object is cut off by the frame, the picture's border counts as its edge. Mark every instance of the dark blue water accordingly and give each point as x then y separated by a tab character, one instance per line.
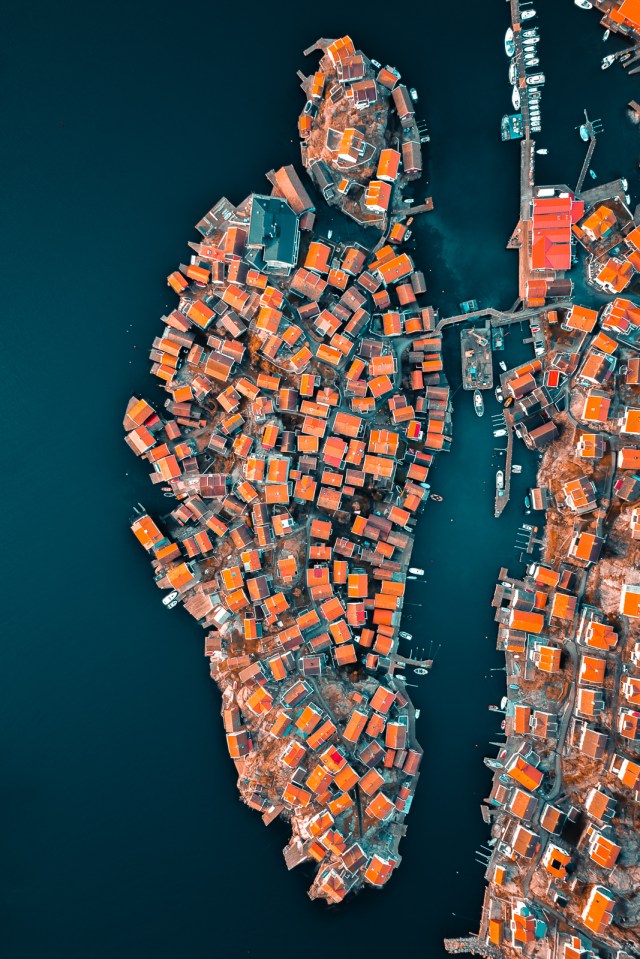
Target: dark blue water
122	126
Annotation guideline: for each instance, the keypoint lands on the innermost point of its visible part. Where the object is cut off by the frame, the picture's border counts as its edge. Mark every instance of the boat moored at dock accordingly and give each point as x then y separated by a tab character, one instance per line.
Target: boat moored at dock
509	43
478	403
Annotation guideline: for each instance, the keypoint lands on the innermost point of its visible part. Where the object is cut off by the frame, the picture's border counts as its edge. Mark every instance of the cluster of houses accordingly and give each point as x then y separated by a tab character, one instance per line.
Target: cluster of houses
358	161
304	404
557	220
568	778
612	241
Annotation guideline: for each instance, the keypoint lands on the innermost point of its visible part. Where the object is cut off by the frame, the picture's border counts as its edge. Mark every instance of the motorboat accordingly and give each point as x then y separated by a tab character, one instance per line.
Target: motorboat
583	4
513	72
499	433
500	480
170	598
405	635
607	61
543	152
509	43
533	32
584	132
607	34
499	394
478	402
413	93
503	366
533	62
515	98
536	80
416	571
528	14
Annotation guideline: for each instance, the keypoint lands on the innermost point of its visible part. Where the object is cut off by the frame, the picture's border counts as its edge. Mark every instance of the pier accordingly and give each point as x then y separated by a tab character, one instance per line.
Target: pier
502	496
590	151
477	358
471	946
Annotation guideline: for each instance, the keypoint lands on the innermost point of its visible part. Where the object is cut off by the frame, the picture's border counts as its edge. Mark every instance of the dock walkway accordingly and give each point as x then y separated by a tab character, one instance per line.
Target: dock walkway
501	501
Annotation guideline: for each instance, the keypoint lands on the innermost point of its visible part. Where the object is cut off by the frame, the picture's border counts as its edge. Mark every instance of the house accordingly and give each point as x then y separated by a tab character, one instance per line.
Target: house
598	910
580	495
630	600
599	223
585	546
274	235
596	406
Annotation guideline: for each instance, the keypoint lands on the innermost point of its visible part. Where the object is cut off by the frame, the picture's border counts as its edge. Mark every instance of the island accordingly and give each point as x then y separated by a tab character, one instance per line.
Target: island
305	402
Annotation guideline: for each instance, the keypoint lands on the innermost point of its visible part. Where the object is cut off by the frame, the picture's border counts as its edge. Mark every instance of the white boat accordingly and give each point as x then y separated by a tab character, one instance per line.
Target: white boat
170	598
515	98
405	635
536	80
543	151
607	34
509	43
503	366
498	433
499	480
413	93
478	403
513	73
516	468
528	14
583	4
584	131
533	32
416	571
607	61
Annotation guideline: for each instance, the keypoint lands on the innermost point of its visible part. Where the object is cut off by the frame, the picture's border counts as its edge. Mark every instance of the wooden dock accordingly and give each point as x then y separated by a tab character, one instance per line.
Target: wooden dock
472	946
501	501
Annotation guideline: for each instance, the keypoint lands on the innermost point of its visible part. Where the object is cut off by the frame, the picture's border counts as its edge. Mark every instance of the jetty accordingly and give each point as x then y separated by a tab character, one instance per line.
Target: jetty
502	496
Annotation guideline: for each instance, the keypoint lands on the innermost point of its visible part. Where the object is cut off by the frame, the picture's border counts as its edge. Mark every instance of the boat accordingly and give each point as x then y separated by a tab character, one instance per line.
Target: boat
516	468
469	306
499	480
528	14
543	152
527	502
607	34
499	394
503	366
497	338
478	402
416	571
499	433
436	497
593	174
513	73
531	33
584	132
170	598
511	127
607	61
413	93
412	577
536	80
515	98
509	43
583	4
406	635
